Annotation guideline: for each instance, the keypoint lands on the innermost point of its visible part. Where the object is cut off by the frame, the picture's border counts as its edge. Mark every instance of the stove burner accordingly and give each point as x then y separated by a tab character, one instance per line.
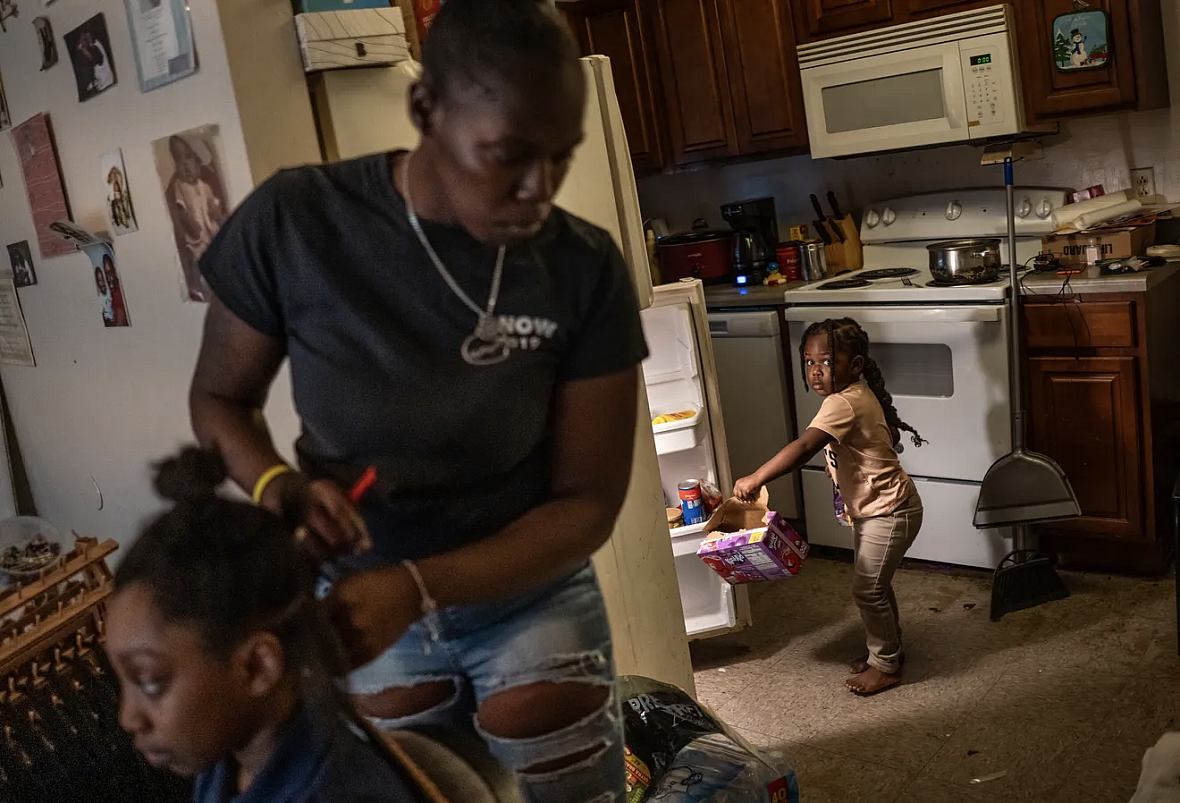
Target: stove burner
844	284
886	273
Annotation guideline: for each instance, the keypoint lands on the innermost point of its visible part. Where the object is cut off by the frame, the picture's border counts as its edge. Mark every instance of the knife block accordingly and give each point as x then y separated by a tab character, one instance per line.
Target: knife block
848	255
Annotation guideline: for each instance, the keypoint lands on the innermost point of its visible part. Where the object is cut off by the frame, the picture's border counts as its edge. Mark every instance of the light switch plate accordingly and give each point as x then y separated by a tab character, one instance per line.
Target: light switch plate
1143	182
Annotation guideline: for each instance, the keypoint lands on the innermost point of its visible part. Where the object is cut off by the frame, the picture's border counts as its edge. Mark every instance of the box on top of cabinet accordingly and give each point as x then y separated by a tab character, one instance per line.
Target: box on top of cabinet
334	40
317	6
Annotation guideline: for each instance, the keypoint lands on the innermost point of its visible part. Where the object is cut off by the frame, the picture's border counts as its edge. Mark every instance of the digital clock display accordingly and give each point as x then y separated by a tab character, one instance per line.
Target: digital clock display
977	60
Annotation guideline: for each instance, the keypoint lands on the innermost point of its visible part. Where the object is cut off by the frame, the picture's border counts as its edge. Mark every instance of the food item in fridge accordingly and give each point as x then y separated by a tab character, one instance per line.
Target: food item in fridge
692	502
668	418
675	518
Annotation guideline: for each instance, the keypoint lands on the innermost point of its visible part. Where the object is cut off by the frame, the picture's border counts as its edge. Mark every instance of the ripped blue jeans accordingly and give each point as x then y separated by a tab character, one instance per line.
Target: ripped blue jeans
557	633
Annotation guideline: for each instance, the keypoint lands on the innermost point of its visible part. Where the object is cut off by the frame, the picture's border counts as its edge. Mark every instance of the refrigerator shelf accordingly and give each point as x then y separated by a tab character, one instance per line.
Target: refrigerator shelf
680	436
686	540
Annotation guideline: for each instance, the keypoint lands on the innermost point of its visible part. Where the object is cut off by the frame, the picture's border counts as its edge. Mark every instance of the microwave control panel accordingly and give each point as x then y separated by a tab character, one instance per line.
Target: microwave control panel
987	85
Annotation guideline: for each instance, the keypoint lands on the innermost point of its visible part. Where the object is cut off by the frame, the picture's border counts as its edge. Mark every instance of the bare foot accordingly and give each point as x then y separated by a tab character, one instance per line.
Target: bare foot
871	681
862	663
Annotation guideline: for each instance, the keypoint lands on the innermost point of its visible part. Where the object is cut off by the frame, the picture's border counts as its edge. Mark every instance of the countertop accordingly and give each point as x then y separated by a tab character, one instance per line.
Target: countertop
729	297
1089	281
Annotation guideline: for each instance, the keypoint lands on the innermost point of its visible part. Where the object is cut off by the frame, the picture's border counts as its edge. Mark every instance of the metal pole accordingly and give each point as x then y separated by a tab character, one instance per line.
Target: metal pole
1014	316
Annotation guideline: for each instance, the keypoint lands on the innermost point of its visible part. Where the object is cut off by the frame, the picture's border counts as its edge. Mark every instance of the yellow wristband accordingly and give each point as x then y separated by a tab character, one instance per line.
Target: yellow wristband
267	478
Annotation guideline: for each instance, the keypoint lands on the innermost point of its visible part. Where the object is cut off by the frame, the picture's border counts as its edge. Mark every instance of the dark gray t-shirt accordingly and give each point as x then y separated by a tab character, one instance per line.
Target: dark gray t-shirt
324	257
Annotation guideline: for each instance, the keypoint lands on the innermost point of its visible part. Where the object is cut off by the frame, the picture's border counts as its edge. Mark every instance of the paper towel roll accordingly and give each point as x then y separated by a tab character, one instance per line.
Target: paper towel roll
1092	219
1065	216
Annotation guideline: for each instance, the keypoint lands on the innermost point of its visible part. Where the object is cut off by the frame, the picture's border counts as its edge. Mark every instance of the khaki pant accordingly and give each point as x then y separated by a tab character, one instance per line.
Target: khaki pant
880	543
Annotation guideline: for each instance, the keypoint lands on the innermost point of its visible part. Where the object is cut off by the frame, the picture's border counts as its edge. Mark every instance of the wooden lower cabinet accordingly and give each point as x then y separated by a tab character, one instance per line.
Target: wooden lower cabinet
1085	413
1103	400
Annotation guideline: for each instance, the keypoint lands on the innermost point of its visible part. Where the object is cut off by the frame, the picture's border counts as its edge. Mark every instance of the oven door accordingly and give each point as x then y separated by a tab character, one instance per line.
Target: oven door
884	102
947	370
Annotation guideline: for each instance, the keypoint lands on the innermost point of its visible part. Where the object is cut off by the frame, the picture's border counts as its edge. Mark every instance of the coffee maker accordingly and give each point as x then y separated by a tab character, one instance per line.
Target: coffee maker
756	225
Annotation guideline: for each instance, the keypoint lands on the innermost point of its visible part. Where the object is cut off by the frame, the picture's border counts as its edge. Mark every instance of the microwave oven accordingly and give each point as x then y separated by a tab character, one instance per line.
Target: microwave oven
948	79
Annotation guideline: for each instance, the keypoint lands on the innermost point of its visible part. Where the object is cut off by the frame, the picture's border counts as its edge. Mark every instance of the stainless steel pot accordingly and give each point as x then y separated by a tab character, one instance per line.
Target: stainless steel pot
965	261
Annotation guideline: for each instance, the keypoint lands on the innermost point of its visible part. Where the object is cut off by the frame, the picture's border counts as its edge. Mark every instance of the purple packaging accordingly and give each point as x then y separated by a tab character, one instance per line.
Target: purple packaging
752	555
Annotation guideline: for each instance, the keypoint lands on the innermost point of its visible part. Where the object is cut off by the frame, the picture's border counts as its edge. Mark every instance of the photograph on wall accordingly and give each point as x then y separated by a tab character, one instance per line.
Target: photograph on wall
189	168
119	208
41	169
46	42
162	39
89	47
1080	41
108	286
15	348
23	272
5	116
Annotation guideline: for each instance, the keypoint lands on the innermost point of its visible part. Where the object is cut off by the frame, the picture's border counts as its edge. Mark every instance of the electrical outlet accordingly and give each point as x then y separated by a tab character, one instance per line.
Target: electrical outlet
1143	182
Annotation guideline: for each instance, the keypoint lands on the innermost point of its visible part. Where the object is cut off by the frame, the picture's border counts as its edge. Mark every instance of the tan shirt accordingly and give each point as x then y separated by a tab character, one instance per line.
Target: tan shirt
862	462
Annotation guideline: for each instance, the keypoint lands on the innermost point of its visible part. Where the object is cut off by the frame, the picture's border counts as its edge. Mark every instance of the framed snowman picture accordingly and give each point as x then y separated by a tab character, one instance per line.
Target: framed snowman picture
1081	40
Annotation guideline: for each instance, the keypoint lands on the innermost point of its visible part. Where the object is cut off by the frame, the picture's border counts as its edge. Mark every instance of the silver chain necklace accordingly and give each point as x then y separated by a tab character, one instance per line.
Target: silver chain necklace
487	344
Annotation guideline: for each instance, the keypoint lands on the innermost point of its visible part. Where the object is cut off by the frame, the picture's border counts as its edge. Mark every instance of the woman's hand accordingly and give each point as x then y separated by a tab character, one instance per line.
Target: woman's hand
747	489
320	509
370	611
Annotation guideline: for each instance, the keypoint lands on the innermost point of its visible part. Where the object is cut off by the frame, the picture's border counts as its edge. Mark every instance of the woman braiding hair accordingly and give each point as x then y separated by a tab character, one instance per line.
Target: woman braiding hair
858	429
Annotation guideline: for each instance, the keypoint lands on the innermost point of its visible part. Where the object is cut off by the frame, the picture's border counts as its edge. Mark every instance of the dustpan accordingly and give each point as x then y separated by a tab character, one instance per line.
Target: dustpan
1022	487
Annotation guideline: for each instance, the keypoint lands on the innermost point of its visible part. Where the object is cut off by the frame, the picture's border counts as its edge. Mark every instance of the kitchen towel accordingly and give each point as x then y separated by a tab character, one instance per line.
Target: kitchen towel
1107	215
1064	217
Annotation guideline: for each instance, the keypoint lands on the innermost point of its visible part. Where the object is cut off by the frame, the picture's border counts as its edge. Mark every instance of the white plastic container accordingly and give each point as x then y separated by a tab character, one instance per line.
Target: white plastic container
679	436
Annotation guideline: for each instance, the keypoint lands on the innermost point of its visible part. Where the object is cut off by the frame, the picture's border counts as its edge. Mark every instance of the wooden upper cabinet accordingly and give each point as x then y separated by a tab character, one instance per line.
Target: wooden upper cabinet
695	80
1134	77
928	8
615	29
819	19
759	42
1085	415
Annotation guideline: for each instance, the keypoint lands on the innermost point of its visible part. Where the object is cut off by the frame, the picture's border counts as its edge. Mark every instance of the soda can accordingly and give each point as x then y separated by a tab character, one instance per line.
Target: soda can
692	502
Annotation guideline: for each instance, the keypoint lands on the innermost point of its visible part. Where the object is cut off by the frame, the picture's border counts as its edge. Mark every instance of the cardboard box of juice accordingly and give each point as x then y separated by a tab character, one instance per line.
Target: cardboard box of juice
747	543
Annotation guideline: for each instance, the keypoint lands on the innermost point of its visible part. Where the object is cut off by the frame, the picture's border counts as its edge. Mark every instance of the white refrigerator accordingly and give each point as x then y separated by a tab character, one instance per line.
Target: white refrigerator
654	598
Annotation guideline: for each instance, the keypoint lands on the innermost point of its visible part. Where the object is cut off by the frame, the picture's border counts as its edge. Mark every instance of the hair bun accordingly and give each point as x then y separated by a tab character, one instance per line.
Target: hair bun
192	474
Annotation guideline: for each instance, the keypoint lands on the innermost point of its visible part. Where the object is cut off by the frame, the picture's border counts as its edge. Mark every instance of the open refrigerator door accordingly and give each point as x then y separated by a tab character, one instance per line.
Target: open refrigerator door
681	377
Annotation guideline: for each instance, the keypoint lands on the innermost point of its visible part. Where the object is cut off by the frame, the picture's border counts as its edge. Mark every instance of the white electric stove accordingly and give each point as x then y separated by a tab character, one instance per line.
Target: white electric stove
943	351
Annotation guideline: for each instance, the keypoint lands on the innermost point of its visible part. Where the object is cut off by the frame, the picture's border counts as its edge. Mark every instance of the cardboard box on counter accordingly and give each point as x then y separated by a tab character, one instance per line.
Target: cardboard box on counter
1116	243
747	543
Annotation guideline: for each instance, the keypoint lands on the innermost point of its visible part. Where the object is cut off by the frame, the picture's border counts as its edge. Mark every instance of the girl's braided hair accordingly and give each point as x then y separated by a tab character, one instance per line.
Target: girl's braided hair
846	335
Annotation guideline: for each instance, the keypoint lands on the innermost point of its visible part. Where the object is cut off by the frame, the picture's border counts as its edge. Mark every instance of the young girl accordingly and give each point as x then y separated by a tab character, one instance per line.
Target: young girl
214	632
858	428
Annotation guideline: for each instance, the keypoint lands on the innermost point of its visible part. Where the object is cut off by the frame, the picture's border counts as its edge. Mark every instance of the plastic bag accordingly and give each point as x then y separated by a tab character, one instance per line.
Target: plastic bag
717	769
678	752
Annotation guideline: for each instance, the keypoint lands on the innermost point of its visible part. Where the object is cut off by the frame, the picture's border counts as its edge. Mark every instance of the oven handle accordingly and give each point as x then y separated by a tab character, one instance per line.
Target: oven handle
982	314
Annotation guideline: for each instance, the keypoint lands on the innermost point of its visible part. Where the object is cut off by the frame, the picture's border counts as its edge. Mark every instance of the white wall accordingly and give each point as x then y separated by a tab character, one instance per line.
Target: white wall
102	403
1099	150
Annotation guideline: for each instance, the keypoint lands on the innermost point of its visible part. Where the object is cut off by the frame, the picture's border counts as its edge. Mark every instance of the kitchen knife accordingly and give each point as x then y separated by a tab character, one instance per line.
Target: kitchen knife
837	221
820	223
835	205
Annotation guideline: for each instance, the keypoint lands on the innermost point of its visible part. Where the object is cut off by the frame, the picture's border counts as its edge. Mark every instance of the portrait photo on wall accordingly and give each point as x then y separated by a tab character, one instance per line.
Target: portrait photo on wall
89	47
21	257
119	208
189	167
108	285
46	42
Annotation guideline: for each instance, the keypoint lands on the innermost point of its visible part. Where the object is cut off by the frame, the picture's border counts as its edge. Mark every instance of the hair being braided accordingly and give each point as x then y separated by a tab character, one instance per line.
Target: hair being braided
846	336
